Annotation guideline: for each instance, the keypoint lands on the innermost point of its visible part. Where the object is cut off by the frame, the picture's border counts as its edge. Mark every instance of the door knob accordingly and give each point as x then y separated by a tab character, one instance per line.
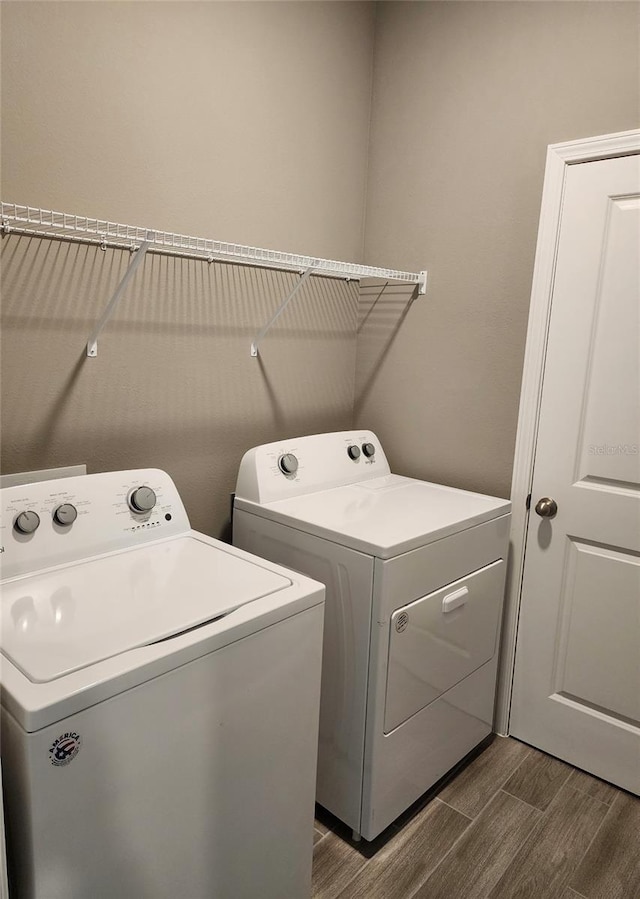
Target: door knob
546	507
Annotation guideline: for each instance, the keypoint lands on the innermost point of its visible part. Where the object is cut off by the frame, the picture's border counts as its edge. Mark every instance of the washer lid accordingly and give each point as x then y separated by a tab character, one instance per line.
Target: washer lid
72	617
385	516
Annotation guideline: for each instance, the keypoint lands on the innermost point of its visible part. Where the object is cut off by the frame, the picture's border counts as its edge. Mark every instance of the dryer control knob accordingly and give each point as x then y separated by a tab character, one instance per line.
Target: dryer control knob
288	464
142	499
368	449
354	452
27	522
65	514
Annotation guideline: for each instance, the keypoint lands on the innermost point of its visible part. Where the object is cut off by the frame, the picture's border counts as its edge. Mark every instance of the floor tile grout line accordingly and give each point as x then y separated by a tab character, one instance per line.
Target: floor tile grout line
543	810
408	825
447	853
518	766
590	795
541	823
470	825
472	822
591	842
508	777
494	794
538	825
454	809
317	842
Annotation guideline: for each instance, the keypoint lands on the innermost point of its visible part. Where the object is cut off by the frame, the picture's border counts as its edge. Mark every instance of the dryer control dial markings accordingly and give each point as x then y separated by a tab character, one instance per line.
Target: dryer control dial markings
142	499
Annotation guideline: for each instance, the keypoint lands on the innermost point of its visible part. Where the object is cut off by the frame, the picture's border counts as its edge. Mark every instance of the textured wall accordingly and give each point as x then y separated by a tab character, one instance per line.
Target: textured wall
237	121
466	98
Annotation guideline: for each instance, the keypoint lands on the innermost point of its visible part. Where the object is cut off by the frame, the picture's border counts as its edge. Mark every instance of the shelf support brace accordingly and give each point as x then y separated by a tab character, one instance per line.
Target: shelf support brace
422	283
92	343
303	277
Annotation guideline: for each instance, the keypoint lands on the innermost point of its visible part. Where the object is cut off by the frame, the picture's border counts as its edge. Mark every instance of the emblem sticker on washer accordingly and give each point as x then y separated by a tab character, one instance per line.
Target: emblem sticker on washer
402	621
65	748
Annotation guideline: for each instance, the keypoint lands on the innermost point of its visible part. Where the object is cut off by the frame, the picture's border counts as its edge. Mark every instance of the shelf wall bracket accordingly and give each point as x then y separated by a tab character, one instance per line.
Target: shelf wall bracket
303	277
422	283
139	254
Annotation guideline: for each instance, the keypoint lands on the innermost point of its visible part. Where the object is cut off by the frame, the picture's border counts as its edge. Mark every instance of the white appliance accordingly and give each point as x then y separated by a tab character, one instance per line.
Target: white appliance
415	582
160	695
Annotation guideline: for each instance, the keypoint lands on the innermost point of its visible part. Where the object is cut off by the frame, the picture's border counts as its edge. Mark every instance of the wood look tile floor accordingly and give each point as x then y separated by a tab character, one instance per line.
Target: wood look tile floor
514	823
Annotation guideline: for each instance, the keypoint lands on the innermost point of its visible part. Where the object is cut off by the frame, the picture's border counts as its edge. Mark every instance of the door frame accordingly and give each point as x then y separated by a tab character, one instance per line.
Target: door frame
559	157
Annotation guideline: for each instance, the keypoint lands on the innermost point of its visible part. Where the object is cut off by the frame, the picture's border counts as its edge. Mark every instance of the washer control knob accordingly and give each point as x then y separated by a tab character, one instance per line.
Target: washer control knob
288	464
368	449
142	499
65	514
27	522
354	452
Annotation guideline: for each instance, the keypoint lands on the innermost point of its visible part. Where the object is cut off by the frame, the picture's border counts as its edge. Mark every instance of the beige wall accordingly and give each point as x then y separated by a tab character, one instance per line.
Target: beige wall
250	122
466	98
238	121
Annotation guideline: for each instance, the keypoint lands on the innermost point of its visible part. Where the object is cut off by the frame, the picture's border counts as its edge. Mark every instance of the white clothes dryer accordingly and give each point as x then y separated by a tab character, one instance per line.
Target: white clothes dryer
415	582
160	695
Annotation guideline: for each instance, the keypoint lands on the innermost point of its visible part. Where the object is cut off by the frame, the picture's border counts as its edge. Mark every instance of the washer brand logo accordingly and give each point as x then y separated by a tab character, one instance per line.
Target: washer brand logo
401	622
65	749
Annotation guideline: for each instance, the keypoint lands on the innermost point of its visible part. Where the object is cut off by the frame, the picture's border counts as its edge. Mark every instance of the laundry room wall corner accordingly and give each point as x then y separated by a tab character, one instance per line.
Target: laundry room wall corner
466	98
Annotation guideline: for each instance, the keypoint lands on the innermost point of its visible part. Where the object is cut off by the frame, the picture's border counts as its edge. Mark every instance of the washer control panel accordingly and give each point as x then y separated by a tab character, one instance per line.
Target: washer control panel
289	468
69	519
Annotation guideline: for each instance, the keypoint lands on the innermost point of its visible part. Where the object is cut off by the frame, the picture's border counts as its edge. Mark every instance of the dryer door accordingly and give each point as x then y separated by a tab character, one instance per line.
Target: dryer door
439	639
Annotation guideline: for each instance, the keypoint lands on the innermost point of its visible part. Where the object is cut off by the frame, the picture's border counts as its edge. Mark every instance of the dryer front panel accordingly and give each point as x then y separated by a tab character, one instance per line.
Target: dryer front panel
439	639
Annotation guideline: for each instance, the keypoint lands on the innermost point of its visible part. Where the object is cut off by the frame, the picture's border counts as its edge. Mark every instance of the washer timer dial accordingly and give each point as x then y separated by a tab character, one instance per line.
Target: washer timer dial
142	499
65	514
368	449
27	522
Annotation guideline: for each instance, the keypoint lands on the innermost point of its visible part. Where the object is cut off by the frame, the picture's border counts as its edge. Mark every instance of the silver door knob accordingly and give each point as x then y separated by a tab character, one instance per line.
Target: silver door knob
546	507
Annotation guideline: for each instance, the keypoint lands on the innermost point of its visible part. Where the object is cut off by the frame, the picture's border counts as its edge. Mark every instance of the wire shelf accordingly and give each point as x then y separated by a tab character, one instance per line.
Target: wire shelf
65	226
30	220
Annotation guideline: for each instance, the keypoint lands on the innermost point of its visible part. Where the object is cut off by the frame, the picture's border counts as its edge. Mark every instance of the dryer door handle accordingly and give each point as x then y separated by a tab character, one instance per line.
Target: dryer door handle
454	600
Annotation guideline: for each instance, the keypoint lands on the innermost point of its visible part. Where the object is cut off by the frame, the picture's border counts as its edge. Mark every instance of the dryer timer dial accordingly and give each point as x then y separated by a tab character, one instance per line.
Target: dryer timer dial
288	463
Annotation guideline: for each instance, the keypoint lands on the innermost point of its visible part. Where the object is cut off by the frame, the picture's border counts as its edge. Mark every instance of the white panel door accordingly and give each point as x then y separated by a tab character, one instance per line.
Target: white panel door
577	677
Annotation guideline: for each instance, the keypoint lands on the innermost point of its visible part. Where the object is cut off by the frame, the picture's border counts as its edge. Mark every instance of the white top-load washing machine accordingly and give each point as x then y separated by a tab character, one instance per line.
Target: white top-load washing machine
160	695
415	580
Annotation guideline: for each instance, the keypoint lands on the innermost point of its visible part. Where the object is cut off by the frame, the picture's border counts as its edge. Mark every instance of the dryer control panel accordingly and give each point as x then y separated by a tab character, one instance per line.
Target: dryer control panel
301	465
69	519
